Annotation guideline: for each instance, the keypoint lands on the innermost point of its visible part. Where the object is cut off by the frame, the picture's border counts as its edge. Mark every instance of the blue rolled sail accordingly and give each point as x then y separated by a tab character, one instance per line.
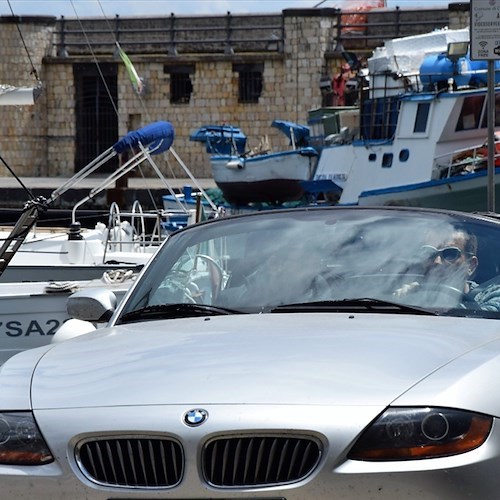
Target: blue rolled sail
157	136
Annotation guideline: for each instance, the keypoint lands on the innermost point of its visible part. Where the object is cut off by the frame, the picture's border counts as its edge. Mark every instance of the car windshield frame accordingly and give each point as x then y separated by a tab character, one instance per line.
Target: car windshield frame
363	253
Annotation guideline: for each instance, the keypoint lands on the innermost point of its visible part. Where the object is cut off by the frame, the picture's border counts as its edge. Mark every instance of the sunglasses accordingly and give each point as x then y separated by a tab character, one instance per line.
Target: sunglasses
449	254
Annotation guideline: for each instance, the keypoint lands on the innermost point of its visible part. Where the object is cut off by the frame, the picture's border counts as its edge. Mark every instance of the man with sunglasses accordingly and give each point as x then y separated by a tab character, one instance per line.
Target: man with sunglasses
448	263
453	262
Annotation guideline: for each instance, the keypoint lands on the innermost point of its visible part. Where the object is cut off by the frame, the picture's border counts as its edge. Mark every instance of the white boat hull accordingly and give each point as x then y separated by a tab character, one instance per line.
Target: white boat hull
31	313
467	192
48	254
273	178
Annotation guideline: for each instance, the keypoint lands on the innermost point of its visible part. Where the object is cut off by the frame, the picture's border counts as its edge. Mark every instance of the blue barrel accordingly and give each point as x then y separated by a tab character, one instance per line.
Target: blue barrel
479	73
437	69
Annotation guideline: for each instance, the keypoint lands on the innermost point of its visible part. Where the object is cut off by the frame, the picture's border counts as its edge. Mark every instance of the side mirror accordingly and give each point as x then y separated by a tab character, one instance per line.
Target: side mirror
97	305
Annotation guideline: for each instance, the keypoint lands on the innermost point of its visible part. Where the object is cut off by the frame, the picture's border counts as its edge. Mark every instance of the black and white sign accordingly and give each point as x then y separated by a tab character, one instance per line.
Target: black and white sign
485	29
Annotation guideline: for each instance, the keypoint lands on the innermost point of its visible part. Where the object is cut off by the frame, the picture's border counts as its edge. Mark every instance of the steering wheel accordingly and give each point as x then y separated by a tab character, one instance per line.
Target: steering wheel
215	272
179	288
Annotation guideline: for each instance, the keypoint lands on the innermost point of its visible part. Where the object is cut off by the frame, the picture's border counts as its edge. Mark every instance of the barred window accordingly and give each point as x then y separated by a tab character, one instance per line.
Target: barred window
181	86
250	82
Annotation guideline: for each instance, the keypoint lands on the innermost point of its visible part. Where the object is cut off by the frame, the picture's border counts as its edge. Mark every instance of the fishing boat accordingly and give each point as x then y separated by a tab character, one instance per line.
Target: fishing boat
260	174
420	132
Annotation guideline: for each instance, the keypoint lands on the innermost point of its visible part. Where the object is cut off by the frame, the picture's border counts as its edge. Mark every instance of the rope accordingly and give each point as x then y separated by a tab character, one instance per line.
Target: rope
62	287
117	276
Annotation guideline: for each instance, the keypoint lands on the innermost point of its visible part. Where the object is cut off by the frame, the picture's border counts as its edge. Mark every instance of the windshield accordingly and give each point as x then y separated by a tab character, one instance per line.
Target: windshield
262	262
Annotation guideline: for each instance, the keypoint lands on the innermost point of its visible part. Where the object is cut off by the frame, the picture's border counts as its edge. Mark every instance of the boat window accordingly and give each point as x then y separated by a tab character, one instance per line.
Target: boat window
422	117
379	118
181	86
470	113
250	82
484	122
387	160
404	154
372	157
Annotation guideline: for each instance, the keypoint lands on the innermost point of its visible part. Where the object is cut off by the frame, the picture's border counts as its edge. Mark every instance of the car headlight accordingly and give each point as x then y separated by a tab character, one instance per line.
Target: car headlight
417	433
20	440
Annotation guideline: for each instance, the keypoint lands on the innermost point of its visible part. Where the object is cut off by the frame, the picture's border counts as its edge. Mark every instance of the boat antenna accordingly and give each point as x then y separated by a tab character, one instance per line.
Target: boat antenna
33	69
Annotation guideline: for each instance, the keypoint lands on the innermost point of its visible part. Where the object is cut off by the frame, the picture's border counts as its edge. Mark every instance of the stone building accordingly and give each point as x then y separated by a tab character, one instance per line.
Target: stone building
239	70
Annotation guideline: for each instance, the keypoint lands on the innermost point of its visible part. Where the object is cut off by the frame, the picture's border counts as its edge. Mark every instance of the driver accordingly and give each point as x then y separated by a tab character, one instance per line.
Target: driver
453	261
449	261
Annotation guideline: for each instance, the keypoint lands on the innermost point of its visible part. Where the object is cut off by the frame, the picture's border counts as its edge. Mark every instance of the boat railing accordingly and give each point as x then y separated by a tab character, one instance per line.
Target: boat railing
388	83
463	161
132	231
142	231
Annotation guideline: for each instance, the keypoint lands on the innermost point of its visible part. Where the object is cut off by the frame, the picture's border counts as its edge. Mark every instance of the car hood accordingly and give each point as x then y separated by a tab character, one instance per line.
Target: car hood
327	359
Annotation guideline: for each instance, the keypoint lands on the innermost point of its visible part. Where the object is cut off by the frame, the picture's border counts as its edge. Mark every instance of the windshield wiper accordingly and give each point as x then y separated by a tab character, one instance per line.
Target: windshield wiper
171	311
353	305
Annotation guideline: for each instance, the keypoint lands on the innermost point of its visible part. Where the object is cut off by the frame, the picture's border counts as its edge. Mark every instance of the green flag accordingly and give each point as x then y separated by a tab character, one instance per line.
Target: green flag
132	73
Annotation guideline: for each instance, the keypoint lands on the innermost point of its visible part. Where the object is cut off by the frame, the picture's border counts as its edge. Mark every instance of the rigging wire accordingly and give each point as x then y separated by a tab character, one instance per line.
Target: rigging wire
95	59
119	49
33	69
108	91
33	72
143	105
28	191
104	80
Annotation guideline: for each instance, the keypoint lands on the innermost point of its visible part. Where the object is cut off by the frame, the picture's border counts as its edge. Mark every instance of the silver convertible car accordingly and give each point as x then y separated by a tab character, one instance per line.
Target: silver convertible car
315	353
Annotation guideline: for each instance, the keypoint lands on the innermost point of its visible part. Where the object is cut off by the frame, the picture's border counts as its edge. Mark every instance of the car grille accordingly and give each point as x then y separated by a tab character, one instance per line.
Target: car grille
259	460
146	462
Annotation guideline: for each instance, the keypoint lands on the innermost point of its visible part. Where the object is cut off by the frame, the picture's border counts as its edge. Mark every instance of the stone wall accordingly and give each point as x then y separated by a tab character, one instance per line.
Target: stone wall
23	129
59	98
40	139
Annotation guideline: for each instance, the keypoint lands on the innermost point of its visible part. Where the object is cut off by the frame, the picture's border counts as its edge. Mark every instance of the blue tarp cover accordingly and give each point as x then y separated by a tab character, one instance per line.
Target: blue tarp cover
151	135
300	132
221	139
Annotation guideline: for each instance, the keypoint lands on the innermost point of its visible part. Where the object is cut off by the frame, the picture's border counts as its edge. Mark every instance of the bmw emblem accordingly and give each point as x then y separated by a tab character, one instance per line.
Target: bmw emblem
195	417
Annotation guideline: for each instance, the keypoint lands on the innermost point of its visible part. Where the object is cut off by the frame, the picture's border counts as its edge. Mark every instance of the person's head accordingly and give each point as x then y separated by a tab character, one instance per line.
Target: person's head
451	258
